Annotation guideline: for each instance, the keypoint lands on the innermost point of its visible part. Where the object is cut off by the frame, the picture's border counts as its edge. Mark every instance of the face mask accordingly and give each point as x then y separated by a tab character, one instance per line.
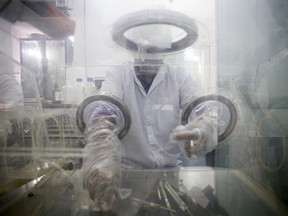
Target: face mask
143	61
148	66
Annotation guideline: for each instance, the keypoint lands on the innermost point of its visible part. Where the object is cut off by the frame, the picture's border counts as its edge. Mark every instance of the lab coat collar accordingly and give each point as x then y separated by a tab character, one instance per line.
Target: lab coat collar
131	70
157	80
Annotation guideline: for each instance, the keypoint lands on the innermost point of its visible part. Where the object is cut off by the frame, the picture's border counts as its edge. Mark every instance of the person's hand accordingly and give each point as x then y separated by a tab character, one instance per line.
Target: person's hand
102	188
197	138
101	169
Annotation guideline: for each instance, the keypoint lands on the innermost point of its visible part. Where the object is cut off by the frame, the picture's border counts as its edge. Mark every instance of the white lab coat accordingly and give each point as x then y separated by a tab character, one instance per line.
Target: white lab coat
10	91
153	115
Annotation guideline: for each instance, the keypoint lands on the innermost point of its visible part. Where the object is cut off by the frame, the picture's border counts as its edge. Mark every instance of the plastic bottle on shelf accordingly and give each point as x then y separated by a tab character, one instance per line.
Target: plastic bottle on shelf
67	93
78	91
90	88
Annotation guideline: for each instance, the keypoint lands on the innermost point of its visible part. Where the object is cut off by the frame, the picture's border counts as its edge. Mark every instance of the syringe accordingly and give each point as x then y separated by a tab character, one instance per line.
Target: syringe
177	199
165	195
151	204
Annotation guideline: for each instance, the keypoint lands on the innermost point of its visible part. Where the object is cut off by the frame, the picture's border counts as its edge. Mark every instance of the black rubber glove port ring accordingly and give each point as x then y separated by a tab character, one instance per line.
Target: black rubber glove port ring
118	103
233	113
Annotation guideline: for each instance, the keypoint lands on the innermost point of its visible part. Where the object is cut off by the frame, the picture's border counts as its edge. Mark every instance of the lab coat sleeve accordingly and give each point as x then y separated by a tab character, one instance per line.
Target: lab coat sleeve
11	91
190	88
113	84
101	169
199	136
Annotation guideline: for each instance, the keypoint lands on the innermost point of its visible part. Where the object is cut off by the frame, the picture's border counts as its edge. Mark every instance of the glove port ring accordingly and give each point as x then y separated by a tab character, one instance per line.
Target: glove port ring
221	99
118	103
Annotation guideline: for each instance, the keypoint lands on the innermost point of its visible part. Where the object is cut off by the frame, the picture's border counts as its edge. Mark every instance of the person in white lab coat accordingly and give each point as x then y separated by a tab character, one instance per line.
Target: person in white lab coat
155	94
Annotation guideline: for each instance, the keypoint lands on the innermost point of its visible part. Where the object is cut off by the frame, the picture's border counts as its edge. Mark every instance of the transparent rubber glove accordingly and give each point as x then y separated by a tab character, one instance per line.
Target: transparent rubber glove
101	168
196	138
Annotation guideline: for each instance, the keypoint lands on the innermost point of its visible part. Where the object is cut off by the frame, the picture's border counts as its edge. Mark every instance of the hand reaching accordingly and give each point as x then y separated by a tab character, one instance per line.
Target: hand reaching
197	138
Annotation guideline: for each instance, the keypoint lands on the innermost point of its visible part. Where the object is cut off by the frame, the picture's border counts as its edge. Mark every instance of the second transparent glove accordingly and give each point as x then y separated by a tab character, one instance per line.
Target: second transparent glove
196	138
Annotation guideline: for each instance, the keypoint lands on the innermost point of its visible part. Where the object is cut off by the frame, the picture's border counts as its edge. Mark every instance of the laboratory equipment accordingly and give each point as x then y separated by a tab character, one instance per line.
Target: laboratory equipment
225	183
161	185
42	144
107	99
89	88
157	17
47	58
78	91
67	93
181	204
216	105
151	204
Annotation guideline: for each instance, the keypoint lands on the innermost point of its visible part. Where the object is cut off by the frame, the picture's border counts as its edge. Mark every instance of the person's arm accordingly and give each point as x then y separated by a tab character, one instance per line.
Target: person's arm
97	111
11	93
190	88
196	138
199	136
101	168
113	84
